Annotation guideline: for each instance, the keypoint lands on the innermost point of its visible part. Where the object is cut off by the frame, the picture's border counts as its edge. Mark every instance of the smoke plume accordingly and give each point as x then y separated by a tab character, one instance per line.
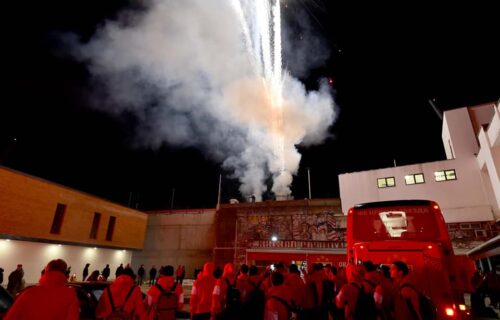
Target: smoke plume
183	70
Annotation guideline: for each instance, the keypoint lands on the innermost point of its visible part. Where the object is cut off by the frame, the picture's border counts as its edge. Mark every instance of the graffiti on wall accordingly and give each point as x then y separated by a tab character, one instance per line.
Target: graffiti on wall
297	227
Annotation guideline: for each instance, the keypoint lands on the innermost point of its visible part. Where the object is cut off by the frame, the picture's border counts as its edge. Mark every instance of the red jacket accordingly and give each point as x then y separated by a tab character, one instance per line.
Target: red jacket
119	290
297	287
153	293
50	300
201	292
275	310
220	290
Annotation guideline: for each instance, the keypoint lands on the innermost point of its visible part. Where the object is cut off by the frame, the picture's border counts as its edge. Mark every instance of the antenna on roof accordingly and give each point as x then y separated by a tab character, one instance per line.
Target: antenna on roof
438	112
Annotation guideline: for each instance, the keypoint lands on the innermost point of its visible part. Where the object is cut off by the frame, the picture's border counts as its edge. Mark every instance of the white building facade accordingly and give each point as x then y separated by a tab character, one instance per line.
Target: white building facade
466	185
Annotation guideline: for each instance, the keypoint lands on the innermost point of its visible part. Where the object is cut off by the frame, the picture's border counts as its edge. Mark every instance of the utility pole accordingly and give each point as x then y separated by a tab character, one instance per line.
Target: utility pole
220	184
438	112
172	199
130	199
309	182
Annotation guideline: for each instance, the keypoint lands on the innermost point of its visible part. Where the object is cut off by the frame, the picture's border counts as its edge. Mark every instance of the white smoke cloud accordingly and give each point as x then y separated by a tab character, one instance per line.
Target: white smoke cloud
182	69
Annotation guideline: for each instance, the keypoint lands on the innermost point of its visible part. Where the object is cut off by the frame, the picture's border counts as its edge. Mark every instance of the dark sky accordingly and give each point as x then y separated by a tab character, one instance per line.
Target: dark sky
386	63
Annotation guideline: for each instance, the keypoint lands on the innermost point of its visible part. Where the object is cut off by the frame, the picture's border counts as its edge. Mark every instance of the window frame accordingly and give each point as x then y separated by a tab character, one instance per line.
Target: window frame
385	179
445	174
414	175
58	219
94	228
111	228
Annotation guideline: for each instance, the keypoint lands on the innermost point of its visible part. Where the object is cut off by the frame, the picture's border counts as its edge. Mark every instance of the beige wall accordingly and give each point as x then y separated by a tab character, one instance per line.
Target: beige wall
178	237
28	205
34	256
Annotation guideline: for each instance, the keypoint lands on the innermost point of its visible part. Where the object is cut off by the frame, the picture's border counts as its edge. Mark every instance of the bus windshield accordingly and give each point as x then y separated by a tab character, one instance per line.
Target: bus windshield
416	223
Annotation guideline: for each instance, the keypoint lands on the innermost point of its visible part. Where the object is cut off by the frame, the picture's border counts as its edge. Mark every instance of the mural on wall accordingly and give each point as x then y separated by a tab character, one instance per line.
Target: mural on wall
290	229
471	234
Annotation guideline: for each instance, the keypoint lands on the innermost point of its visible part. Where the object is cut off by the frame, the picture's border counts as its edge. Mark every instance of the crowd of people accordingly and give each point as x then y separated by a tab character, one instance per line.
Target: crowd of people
365	291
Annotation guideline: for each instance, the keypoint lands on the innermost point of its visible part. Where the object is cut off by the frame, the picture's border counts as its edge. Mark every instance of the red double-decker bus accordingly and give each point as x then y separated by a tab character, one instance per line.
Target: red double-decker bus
412	231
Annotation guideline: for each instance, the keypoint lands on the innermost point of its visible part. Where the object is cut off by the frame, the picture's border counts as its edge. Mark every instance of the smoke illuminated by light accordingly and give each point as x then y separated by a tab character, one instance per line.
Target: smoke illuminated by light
209	74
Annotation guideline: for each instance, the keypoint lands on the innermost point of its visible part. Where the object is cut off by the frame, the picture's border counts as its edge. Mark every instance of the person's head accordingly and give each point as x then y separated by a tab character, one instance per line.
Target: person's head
167	271
208	268
19	266
277	278
57	265
228	270
244	269
293	268
87	265
399	270
253	270
128	272
369	266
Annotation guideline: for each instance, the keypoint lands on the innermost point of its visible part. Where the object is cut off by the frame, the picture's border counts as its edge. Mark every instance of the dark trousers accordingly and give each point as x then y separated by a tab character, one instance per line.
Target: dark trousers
201	316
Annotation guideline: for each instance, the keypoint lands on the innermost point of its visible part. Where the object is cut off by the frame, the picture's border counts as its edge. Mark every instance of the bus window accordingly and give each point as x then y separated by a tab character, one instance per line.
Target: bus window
395	223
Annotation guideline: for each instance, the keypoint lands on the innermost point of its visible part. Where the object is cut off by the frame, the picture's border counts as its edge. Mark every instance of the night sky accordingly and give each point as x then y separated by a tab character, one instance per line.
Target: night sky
385	64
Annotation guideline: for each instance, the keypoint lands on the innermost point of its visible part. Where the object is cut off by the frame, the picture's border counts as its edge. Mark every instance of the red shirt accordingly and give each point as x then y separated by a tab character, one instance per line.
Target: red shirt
50	300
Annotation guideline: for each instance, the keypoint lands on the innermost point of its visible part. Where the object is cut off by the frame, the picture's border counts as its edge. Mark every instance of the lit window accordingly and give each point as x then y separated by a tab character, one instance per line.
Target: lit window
414	178
95	225
445	175
386	182
58	219
111	228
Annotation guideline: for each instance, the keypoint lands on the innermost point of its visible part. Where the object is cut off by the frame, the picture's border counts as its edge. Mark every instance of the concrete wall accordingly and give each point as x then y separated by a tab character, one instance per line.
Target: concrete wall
461	200
178	237
459	133
28	205
34	257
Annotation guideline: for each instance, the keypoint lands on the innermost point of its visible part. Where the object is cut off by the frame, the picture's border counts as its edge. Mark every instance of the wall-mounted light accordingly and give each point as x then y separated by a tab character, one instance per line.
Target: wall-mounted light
274	238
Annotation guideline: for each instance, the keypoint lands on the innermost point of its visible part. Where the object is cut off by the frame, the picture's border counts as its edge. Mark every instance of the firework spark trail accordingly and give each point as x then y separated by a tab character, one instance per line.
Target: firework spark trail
261	27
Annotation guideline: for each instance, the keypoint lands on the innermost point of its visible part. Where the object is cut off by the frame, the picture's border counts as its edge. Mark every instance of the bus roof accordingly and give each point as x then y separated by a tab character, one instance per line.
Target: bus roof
393	203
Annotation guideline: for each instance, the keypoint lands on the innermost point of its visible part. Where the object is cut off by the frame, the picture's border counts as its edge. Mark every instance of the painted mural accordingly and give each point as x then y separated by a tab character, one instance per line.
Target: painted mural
256	229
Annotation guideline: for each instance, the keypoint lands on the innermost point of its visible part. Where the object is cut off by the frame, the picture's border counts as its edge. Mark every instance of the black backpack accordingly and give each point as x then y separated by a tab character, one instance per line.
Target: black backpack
292	312
365	308
232	309
118	313
166	304
255	302
427	307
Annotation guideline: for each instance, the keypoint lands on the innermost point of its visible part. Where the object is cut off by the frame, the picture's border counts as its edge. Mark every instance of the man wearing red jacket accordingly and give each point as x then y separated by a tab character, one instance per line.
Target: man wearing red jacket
201	293
50	300
279	299
166	281
120	289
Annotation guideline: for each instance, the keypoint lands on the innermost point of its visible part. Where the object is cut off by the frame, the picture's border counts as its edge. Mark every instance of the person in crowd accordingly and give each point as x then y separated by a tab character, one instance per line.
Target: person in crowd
85	271
178	274
152	275
348	294
1	275
106	272
166	282
279	299
242	283
201	293
406	302
94	276
219	295
296	285
15	283
123	287
51	299
140	275
119	270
